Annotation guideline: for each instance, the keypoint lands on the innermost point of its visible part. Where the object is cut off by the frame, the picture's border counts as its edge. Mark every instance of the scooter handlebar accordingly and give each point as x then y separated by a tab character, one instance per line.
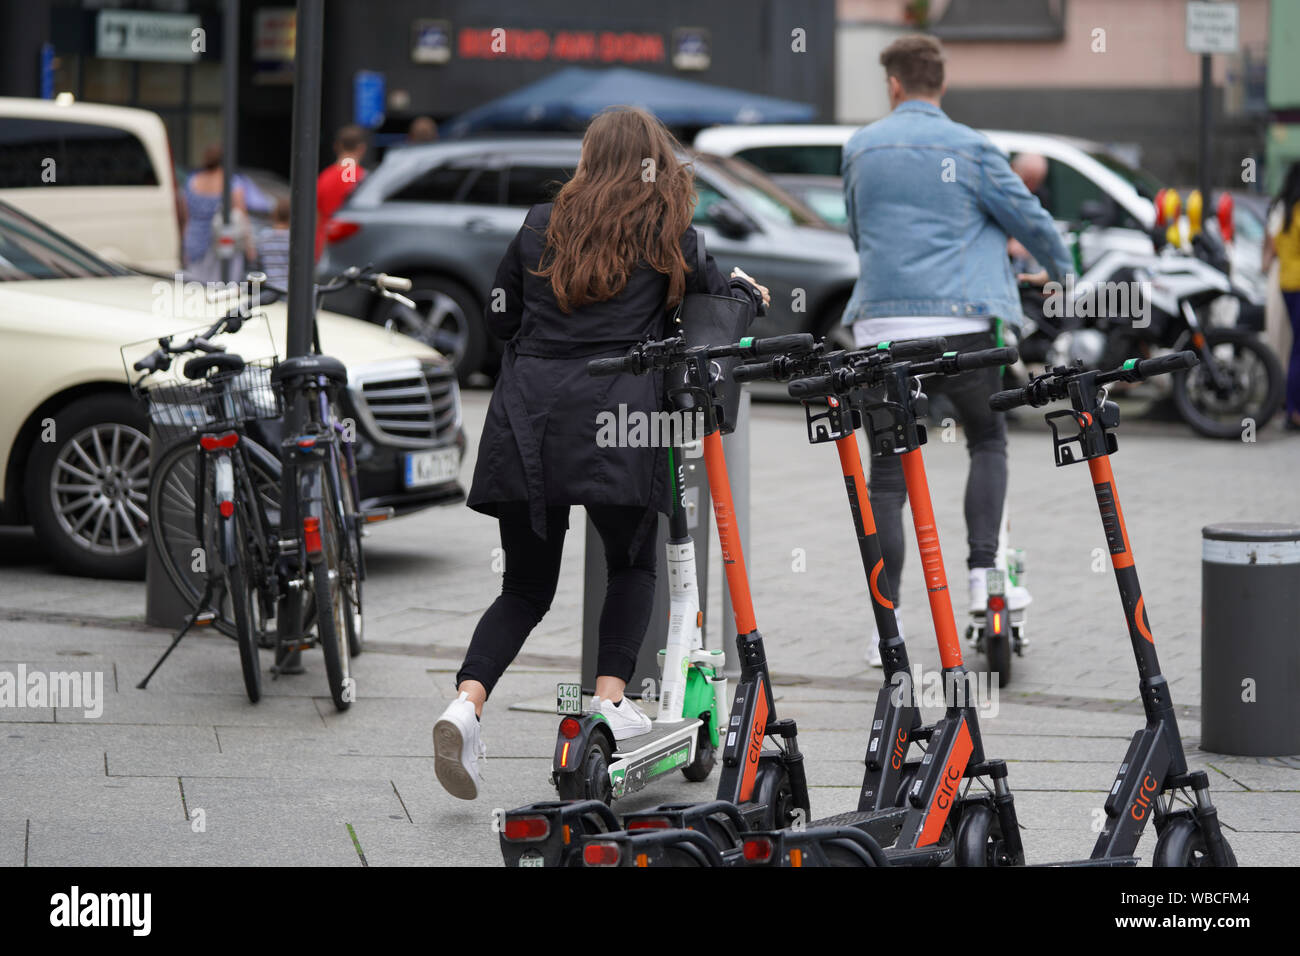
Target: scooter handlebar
987	358
916	348
812	387
1005	401
753	373
610	366
1175	362
778	344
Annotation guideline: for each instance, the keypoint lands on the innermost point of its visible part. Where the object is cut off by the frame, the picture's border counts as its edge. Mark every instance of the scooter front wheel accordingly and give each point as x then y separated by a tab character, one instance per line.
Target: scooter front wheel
705	757
773	790
1183	845
979	838
591	780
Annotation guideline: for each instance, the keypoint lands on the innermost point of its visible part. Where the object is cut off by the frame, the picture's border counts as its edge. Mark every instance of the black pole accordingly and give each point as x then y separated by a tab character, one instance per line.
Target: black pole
1207	121
302	267
302	175
229	119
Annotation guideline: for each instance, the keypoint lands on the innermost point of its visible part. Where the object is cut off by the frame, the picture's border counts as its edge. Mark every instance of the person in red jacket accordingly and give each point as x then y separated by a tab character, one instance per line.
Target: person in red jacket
339	178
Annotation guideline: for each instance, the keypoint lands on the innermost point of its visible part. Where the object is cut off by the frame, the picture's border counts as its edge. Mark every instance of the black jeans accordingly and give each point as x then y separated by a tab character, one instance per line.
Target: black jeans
531	573
986	482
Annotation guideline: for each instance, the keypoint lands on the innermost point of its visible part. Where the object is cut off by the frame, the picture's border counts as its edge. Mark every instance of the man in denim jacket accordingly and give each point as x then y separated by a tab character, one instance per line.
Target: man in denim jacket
931	203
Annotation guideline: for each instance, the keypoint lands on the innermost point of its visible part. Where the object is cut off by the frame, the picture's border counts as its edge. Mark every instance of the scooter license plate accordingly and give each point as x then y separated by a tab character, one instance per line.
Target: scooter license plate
568	698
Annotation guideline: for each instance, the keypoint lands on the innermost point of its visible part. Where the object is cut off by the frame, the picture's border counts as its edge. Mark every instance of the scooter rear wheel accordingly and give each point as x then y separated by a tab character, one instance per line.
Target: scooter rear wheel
591	782
998	648
1183	845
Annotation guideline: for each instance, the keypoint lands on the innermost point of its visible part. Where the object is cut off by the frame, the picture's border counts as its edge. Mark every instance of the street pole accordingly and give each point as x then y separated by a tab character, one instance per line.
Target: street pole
1207	121
229	121
302	266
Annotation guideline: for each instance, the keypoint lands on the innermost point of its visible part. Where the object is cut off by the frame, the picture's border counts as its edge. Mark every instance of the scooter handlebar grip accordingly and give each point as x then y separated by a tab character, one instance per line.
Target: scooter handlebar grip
393	283
987	358
918	348
607	366
1005	401
811	387
776	344
1176	362
753	373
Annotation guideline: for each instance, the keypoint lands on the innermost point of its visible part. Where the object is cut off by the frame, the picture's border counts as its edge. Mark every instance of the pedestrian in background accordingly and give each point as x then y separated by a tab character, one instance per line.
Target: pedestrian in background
588	275
422	130
931	203
201	222
339	178
273	246
1282	241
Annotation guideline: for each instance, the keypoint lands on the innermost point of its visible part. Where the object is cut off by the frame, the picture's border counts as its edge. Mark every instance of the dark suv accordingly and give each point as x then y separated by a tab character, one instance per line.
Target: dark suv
443	214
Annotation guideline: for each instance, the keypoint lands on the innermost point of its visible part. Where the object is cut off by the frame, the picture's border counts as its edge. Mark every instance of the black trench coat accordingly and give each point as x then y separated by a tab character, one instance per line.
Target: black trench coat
539	445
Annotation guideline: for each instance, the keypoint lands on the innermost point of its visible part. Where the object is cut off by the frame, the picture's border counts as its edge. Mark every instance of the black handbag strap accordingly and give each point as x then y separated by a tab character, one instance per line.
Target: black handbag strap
699	275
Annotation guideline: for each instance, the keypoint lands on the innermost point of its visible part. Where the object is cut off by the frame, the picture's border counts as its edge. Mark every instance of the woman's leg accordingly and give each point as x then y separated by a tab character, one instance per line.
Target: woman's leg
629	596
527	588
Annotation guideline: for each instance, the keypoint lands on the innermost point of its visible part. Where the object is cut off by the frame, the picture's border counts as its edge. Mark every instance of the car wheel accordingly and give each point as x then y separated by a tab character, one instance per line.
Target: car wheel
88	488
447	317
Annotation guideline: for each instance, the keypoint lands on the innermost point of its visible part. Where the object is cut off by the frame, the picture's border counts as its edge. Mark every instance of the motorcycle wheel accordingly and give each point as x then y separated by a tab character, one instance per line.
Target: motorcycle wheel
1254	392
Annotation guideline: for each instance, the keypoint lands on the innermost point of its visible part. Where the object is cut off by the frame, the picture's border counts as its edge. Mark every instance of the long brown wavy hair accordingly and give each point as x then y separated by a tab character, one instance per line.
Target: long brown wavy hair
628	203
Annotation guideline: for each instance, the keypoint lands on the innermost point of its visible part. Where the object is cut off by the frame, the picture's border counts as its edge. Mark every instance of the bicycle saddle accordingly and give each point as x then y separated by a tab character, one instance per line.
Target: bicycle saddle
301	365
199	366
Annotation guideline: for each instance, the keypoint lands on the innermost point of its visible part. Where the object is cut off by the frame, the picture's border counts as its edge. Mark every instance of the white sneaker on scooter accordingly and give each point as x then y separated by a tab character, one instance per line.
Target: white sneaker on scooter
458	748
1018	598
873	652
625	718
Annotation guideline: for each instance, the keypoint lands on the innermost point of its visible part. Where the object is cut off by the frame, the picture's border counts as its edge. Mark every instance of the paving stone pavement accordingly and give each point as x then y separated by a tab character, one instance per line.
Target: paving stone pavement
189	773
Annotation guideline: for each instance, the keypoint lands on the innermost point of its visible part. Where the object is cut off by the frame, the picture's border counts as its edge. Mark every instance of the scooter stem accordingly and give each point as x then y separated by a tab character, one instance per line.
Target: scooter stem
733	556
927	539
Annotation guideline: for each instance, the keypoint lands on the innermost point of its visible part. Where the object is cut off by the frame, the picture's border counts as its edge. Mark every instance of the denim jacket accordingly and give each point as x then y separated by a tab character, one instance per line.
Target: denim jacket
931	203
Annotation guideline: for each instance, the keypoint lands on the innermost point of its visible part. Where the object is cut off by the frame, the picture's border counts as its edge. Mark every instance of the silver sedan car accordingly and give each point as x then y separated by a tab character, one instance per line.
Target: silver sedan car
443	214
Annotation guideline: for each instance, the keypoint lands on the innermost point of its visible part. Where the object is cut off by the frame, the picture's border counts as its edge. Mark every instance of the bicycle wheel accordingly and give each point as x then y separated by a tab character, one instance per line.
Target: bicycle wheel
327	586
172	507
244	604
352	566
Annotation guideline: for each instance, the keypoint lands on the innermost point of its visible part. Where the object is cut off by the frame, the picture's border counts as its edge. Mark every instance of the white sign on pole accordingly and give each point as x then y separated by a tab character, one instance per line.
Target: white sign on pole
1212	27
129	35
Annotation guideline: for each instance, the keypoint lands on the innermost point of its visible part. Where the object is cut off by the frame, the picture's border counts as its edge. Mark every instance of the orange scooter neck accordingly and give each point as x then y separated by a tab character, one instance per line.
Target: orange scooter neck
927	539
733	555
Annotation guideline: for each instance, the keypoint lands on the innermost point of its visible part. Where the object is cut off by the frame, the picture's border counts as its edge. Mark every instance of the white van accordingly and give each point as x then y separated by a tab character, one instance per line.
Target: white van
1079	172
101	175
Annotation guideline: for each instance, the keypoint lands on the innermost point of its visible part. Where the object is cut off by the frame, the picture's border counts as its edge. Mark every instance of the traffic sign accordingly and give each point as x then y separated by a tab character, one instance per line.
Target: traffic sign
1212	27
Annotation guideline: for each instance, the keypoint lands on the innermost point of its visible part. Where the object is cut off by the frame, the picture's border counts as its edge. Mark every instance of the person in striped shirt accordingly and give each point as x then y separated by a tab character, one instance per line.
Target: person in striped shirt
273	246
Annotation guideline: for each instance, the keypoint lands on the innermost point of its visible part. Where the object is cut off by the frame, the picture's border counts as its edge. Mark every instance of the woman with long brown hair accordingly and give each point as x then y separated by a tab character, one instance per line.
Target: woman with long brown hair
588	275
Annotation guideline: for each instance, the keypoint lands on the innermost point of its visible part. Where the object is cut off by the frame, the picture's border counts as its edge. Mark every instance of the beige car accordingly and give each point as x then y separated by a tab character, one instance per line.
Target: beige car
100	174
74	444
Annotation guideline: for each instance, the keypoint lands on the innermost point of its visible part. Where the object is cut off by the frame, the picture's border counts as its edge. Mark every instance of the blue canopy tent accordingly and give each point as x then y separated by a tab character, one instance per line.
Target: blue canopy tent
567	100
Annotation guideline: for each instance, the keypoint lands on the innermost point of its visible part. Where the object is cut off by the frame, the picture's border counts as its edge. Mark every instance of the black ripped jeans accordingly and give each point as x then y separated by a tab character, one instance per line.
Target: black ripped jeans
986	482
531	573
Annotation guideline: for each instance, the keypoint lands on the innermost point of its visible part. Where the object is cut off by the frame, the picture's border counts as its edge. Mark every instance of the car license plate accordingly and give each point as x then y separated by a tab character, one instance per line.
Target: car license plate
568	698
532	858
431	467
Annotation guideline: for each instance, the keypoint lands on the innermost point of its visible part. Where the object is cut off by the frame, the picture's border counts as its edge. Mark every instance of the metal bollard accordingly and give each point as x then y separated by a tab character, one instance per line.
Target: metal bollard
1250	639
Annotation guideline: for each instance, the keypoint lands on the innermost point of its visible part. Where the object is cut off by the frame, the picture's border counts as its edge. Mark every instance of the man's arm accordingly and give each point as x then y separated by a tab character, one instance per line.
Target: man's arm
850	207
1006	199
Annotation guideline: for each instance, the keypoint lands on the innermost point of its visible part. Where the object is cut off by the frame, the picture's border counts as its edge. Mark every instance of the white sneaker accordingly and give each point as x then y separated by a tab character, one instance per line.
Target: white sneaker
1018	597
873	651
458	748
625	718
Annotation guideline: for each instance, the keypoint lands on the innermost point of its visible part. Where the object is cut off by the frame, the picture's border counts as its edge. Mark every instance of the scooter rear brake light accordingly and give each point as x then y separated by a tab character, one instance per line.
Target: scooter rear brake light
527	828
997	602
570	728
601	854
649	823
226	508
311	535
757	850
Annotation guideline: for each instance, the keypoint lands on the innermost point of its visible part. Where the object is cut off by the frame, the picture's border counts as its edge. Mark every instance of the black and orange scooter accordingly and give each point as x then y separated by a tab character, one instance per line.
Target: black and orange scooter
916	795
1154	772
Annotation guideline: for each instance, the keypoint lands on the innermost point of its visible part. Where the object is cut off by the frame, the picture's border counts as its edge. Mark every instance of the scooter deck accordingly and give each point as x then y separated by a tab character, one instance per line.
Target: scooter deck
635	746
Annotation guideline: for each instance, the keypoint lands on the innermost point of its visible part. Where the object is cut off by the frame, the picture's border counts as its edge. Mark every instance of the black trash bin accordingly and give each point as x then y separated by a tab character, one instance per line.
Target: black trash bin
1250	638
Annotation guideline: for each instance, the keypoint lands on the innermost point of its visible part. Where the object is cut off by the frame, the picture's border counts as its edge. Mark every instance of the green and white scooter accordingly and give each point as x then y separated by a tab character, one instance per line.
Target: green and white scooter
693	701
